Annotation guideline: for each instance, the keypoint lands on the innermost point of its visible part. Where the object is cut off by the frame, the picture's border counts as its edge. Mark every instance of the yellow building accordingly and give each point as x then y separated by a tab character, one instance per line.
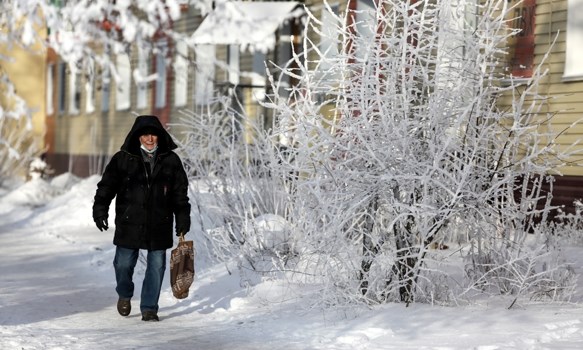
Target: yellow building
86	120
26	69
91	114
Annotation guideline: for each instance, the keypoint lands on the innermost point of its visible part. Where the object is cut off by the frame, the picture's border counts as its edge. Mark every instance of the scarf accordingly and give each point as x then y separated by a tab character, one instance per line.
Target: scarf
147	150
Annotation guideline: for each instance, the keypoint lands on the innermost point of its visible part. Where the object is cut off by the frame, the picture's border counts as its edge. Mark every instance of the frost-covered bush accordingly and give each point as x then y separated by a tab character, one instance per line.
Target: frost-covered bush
401	179
416	152
241	197
568	227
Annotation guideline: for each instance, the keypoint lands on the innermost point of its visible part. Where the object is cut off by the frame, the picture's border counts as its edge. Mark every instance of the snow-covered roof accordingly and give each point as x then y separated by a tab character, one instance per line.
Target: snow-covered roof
245	23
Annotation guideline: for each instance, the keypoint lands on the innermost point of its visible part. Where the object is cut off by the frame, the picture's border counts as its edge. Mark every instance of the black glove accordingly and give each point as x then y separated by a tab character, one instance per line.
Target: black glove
181	231
101	223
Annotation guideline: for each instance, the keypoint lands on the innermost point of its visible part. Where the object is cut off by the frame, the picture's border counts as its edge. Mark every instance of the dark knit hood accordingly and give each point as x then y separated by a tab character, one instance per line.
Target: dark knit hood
132	142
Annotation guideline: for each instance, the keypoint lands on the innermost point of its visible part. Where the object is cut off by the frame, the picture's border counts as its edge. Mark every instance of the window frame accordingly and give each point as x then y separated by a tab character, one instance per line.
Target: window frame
123	82
90	87
181	75
143	70
105	87
205	75
161	76
50	106
573	70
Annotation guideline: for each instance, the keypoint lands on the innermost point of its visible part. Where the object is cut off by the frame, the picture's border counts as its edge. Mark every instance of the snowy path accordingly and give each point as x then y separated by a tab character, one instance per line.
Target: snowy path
57	292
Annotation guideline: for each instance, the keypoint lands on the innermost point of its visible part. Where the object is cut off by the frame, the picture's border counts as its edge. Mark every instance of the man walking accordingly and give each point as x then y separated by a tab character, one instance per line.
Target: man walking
151	189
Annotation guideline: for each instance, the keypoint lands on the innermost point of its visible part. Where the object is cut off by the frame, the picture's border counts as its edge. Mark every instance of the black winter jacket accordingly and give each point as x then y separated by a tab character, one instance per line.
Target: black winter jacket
145	205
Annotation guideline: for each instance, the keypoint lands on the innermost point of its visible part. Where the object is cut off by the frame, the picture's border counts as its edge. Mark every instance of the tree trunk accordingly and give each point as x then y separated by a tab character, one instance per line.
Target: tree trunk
369	249
406	261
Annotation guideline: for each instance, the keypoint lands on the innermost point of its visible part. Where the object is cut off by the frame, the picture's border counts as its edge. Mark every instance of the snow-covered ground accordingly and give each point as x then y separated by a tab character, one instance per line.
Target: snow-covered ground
57	292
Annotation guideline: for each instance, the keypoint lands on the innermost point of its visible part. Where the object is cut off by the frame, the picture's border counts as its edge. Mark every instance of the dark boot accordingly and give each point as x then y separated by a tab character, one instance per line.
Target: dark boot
124	307
149	316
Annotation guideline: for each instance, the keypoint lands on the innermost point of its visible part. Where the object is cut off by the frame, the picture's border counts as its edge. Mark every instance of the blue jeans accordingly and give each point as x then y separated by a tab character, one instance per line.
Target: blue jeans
124	263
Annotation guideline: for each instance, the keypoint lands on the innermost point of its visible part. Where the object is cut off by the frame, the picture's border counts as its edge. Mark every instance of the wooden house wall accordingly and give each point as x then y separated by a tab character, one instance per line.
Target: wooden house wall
563	98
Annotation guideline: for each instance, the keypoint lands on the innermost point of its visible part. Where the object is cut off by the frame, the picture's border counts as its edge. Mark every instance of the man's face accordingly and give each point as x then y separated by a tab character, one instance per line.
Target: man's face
149	141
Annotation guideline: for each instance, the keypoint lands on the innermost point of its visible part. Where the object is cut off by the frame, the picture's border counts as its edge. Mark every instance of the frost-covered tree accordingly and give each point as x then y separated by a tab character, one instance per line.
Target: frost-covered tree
417	153
392	145
17	144
240	196
84	34
79	28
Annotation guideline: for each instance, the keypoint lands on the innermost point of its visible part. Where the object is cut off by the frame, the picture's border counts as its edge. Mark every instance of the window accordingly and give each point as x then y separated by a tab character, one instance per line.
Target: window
74	89
523	55
233	64
205	74
90	87
160	101
50	107
329	40
123	82
574	51
141	78
365	24
105	87
284	55
62	86
181	75
456	23
258	78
